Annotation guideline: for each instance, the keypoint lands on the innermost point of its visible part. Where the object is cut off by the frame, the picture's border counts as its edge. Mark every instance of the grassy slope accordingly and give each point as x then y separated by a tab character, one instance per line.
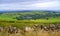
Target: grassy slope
11	17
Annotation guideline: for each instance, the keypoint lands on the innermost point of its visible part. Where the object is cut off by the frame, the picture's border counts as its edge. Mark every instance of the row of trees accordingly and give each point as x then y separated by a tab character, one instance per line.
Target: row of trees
38	16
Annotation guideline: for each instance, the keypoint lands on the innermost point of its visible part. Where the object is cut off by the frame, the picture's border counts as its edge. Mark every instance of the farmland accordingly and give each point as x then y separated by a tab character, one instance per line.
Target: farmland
29	19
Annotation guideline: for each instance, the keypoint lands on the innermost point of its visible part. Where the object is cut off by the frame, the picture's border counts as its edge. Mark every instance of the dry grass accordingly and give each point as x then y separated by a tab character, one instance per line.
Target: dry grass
32	33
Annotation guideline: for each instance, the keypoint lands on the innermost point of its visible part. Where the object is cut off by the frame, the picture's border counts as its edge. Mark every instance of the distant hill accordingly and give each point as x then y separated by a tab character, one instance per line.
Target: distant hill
29	15
30	11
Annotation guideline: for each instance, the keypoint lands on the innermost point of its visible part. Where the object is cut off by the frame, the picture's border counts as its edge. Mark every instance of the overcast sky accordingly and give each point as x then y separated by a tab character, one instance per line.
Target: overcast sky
29	4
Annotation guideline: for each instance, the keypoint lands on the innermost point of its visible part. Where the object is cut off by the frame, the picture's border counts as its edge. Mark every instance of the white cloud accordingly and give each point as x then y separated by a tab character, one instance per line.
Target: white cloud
46	5
28	5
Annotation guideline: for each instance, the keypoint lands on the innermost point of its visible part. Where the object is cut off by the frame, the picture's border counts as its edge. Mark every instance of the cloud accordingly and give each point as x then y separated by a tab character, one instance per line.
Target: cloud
15	1
51	5
47	5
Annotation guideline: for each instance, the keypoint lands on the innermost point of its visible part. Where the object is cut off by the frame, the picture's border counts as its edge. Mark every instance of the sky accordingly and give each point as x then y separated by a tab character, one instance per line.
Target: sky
29	5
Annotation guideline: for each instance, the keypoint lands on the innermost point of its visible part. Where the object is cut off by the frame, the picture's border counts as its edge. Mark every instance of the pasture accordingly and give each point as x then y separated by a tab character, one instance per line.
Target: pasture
29	19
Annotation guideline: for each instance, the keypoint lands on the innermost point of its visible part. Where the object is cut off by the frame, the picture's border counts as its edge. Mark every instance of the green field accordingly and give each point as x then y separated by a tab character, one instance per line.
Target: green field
20	19
28	18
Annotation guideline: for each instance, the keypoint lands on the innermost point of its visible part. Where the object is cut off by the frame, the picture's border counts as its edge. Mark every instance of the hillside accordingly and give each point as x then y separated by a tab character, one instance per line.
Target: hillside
23	18
29	15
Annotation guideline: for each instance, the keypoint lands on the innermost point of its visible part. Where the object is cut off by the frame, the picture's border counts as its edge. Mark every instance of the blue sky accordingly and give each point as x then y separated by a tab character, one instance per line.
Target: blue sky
29	5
